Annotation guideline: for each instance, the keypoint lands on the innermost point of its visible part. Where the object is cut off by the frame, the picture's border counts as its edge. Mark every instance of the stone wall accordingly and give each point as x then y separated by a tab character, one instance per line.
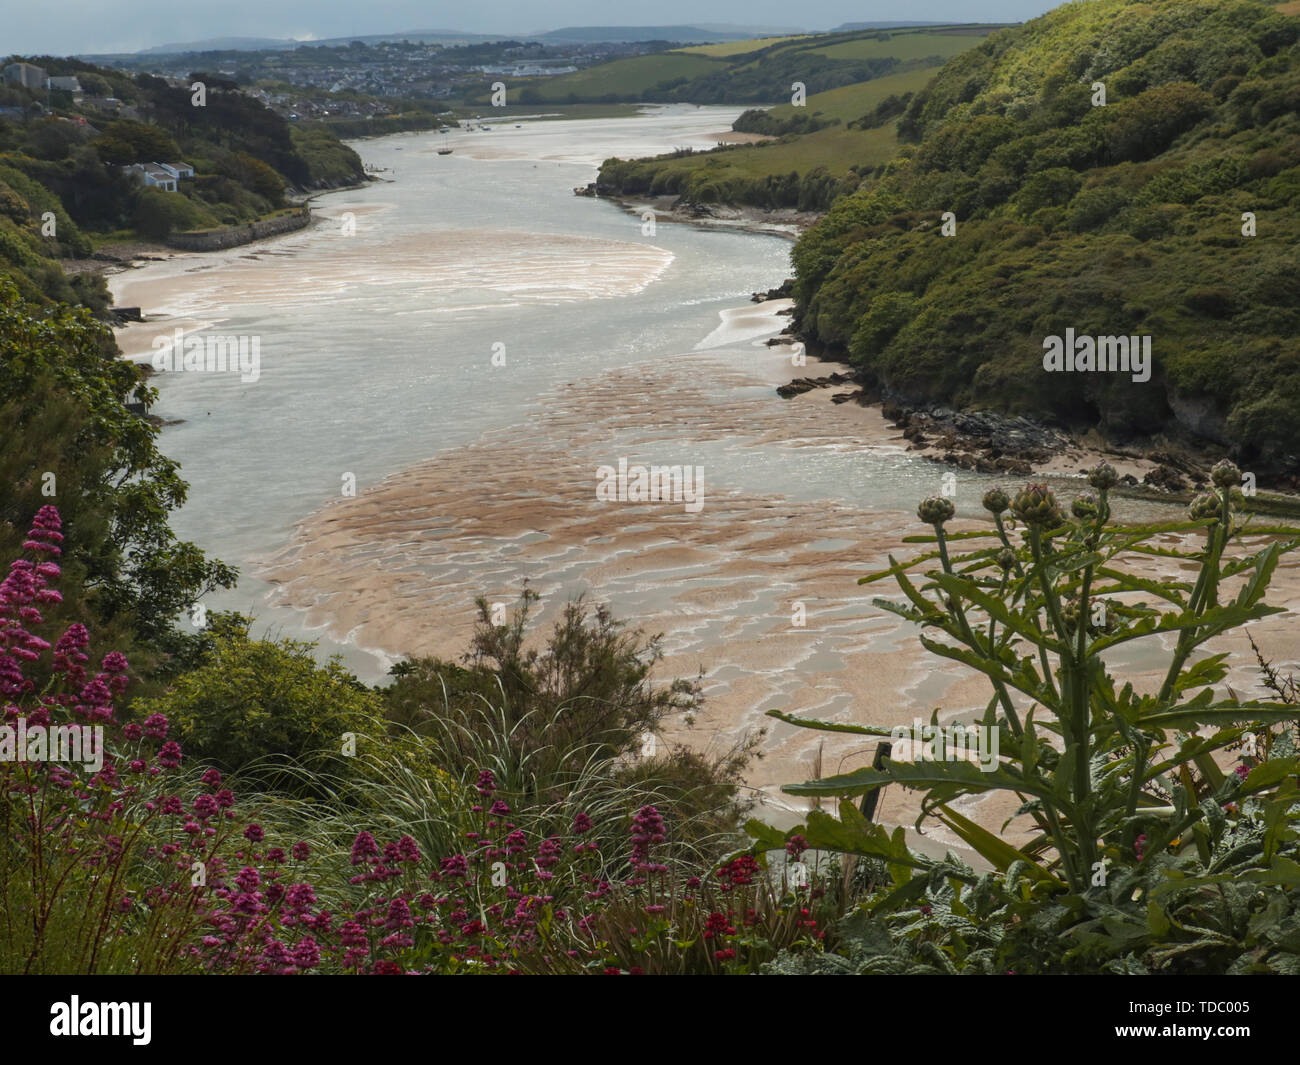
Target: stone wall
233	236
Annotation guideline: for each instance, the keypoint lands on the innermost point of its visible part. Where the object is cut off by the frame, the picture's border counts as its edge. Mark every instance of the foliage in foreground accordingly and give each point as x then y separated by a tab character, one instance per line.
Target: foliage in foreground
1144	855
147	863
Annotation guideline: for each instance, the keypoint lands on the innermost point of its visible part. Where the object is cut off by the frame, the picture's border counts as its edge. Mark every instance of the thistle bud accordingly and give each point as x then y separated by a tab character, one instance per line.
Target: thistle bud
1225	474
1035	505
1084	506
1103	476
935	510
996	501
1203	507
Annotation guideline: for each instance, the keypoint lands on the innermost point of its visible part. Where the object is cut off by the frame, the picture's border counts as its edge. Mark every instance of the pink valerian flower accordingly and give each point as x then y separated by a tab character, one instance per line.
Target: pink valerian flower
1242	772
738	872
548	853
399	915
169	754
156	726
581	823
647	831
454	865
364	849
718	924
487	783
300	851
1139	845
300	898
45	534
795	846
306	955
254	833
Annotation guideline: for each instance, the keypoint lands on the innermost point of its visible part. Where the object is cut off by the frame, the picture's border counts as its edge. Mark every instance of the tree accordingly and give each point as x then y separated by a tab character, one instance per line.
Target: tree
68	437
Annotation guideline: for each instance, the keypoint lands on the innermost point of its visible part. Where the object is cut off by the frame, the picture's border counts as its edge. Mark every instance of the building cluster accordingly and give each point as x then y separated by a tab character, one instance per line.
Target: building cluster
30	76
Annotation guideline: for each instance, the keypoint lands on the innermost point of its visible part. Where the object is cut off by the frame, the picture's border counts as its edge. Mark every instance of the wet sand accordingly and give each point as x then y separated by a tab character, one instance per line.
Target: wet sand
399	566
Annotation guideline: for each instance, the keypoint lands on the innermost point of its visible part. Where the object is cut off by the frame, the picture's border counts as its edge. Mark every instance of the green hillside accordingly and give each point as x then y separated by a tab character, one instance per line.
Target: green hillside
727	49
1123	219
758	71
65	158
808	172
623	78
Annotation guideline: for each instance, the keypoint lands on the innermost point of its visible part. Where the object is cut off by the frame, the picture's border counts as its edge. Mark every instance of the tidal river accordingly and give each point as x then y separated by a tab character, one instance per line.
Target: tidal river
463	345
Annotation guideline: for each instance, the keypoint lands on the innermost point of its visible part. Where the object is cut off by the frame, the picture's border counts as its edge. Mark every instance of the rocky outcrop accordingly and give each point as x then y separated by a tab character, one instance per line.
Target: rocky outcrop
800	385
977	440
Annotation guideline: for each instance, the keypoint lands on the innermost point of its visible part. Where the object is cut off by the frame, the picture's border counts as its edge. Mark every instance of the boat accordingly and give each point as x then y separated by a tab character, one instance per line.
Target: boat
445	151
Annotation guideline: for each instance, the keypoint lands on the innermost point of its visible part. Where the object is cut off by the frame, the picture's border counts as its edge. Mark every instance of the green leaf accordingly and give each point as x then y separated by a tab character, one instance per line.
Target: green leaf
995	850
1221	714
967	776
830	726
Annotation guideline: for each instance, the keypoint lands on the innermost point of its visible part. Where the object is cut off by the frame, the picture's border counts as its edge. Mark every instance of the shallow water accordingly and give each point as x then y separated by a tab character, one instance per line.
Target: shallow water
378	330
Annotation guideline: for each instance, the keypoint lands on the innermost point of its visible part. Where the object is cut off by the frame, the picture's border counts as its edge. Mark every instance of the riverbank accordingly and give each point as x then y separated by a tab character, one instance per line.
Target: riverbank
782	221
991	443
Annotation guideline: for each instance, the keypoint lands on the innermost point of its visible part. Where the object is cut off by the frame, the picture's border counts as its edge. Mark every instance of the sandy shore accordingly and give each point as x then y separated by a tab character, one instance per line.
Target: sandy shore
399	566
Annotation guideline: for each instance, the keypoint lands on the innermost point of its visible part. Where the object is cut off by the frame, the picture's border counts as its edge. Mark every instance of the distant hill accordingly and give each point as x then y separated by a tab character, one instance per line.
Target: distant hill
222	44
750	70
679	34
273	44
850	26
759	71
693	34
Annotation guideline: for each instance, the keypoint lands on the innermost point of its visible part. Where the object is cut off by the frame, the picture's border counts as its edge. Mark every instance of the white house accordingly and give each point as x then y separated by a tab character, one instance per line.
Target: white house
160	175
65	84
153	175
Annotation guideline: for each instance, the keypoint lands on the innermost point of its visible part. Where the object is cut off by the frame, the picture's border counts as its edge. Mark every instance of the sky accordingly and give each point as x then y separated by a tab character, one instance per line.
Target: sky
68	27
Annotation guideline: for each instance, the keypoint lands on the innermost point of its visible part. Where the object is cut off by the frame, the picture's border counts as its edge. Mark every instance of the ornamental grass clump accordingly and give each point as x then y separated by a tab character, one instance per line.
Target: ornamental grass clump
1135	816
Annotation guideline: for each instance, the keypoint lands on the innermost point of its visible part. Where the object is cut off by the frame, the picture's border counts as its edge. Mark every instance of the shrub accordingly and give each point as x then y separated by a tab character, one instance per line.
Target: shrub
1137	826
264	705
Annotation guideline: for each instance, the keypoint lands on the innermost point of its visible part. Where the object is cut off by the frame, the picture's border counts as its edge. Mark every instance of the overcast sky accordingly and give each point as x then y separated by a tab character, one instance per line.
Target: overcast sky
66	27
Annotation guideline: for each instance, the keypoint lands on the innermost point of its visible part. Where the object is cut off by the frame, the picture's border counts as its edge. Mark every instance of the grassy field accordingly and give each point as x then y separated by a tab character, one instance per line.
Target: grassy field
807	171
752	71
621	77
836	148
902	45
728	49
854	101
